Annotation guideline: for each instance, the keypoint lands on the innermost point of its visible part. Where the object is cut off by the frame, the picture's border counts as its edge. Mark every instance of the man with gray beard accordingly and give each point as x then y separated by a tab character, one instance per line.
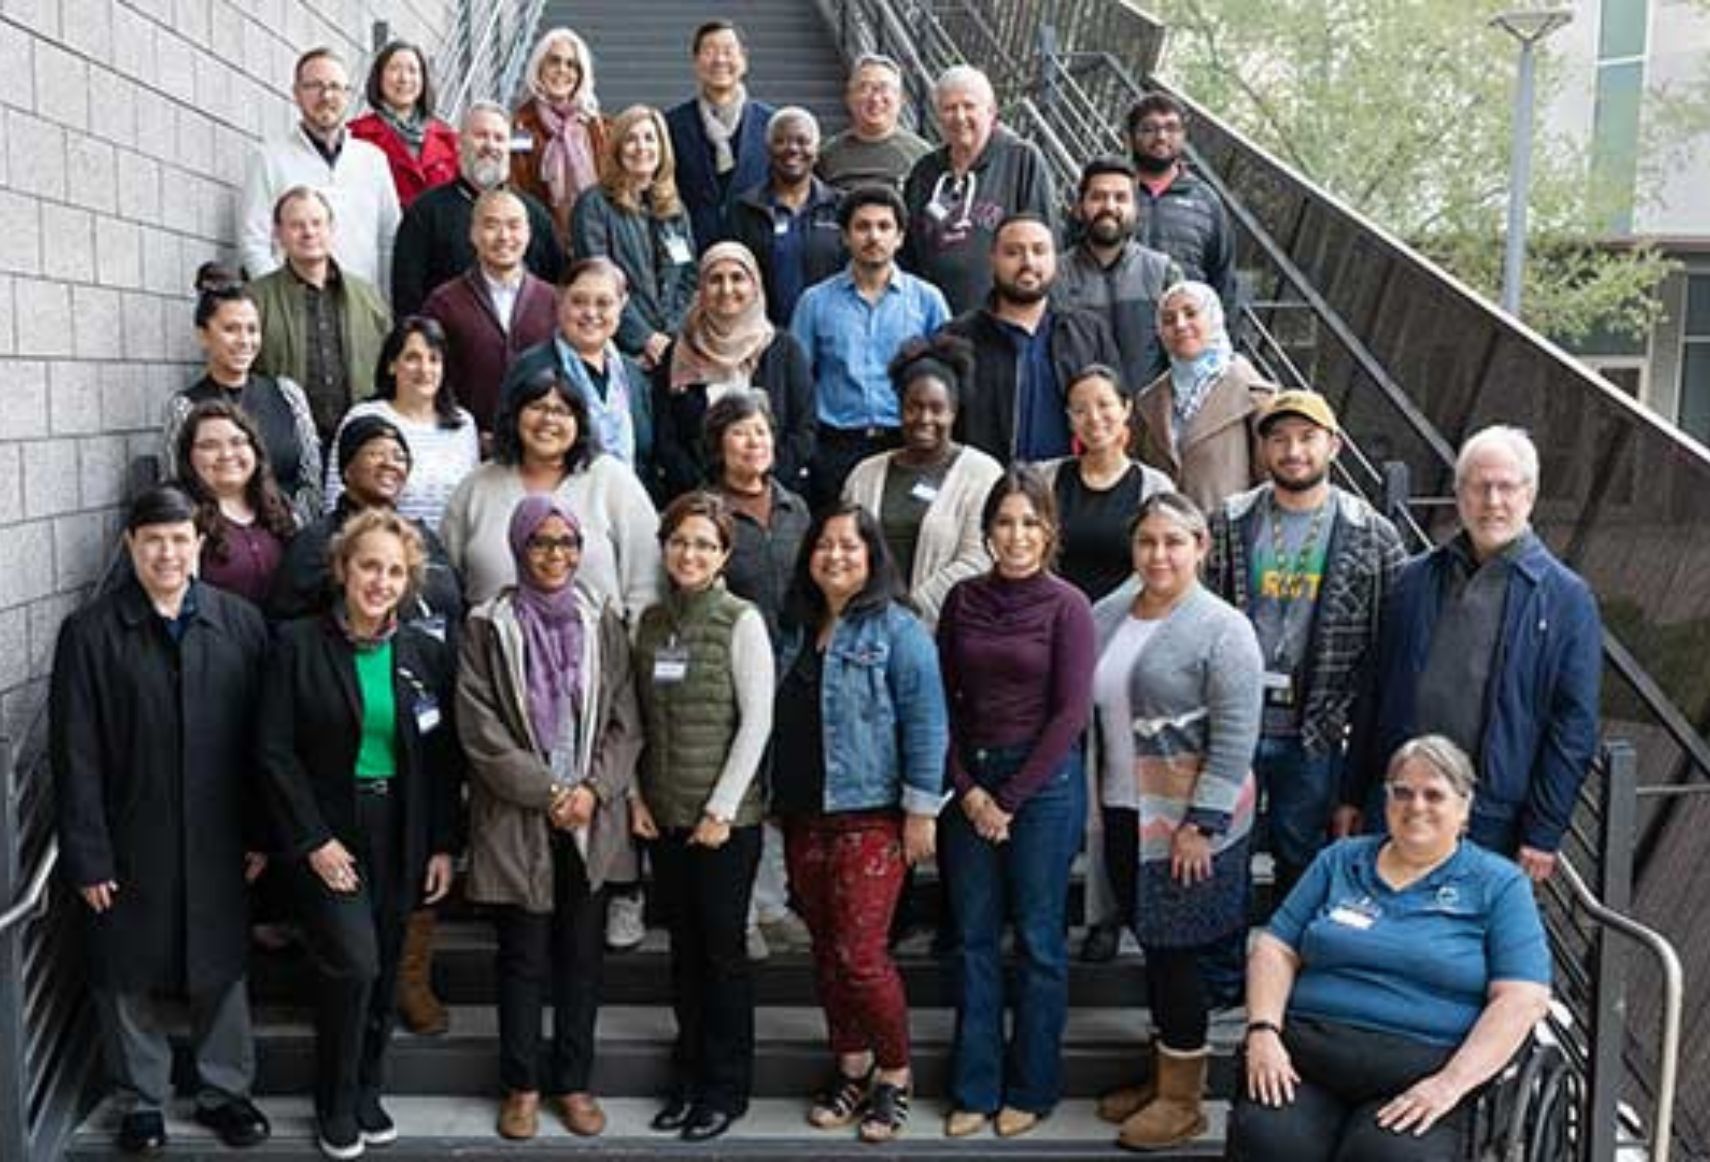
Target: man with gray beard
433	242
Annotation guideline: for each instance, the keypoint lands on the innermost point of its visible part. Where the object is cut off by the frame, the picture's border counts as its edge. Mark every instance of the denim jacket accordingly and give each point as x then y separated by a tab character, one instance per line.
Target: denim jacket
882	704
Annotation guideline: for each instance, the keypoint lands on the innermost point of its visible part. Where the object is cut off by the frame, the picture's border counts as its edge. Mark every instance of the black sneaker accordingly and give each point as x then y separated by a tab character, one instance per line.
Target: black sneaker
1101	944
376	1125
236	1122
143	1132
340	1138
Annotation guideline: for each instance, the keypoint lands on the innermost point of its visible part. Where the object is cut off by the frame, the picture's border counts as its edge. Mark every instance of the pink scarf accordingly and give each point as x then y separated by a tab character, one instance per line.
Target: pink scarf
567	163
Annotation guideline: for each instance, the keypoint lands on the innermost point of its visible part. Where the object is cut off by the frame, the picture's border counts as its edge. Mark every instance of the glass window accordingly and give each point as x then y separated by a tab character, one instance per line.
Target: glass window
1615	140
1622	29
1695	390
1698	306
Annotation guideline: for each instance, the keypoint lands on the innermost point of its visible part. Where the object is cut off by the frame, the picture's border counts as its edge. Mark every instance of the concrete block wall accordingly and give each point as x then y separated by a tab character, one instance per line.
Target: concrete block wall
124	125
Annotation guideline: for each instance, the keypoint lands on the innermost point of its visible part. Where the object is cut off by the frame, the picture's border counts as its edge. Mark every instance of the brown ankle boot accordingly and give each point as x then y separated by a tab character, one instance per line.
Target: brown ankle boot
420	1009
1176	1114
1118	1105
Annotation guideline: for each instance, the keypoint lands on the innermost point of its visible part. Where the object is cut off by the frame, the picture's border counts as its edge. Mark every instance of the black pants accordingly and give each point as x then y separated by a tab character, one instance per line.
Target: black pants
835	455
705	896
560	951
354	940
1347	1074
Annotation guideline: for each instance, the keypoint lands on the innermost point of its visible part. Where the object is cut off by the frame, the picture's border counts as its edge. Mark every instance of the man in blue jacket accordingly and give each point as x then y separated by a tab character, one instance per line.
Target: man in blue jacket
719	134
1492	641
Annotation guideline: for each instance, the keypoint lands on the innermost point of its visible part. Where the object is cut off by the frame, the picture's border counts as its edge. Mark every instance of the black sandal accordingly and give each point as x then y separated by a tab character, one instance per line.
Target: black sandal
840	1102
887	1113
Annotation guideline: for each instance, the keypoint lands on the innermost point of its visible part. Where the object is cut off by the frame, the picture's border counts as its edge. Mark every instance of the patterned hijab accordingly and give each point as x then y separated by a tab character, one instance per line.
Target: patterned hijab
1193	378
713	350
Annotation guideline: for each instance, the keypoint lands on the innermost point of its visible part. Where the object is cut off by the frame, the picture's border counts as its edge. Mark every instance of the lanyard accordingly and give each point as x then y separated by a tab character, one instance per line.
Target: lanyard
1290	573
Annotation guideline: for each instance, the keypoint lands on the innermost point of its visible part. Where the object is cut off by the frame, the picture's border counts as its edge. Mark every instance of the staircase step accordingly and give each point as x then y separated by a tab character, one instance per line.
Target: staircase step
1101	1050
435	1128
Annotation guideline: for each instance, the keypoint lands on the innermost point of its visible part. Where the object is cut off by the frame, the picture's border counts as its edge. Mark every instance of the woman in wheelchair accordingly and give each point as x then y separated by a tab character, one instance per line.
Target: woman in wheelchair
1401	974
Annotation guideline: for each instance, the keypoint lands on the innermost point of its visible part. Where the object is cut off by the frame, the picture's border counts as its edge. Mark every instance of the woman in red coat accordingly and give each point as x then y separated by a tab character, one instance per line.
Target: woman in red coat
421	149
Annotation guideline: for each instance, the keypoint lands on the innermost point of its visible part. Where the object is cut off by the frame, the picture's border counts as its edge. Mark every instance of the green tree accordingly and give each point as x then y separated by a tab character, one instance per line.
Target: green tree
1403	108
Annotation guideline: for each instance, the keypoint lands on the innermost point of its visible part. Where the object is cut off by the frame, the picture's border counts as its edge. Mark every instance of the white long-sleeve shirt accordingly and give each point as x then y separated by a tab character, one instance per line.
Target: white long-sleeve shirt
359	187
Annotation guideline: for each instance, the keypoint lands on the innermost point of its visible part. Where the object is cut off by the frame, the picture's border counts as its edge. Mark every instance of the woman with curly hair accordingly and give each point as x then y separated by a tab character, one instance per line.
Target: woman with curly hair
559	135
221	462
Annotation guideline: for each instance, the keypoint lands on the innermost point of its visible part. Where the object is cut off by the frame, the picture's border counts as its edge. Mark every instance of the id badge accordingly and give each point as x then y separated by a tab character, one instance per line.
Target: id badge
427	715
780	224
677	250
924	491
1357	914
1279	689
670	665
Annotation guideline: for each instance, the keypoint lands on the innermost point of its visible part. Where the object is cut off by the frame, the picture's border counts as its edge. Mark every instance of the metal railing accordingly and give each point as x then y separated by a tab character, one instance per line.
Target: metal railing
483	52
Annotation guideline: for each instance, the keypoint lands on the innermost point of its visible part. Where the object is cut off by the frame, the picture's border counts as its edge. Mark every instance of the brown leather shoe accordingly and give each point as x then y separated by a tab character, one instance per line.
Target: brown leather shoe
1012	1123
519	1116
582	1114
421	1011
964	1123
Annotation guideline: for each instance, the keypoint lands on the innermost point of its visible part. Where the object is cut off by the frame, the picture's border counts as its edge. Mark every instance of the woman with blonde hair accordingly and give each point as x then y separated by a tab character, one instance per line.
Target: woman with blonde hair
558	133
636	218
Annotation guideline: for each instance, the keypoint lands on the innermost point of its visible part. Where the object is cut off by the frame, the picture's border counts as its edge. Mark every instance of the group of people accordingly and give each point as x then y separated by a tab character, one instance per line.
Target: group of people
734	523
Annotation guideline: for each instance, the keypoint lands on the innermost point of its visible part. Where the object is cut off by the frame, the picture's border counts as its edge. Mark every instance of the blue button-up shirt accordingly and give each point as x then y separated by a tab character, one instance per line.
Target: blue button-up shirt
849	341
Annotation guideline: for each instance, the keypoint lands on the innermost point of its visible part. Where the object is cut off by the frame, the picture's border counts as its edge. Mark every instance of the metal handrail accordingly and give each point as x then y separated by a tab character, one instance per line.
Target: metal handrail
1674	987
485	60
33	901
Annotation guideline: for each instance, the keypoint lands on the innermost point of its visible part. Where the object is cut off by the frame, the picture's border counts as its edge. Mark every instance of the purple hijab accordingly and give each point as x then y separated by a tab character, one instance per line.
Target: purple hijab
551	626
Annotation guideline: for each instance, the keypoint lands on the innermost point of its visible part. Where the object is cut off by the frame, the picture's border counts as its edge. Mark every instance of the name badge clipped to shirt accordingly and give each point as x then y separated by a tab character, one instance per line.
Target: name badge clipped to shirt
427	714
670	665
1279	688
1359	914
433	625
924	491
780	222
677	250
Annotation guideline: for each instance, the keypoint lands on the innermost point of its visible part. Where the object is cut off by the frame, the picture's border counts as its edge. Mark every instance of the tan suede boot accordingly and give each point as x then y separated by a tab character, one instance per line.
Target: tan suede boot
1176	1114
420	1009
1119	1105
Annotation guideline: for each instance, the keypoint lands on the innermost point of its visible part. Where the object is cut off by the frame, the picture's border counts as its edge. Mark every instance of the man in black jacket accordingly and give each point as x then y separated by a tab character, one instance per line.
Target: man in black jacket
1025	350
155	688
1179	213
433	244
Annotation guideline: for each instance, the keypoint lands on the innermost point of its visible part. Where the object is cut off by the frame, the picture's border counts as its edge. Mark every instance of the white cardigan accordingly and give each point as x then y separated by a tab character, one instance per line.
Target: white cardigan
620	533
359	187
952	544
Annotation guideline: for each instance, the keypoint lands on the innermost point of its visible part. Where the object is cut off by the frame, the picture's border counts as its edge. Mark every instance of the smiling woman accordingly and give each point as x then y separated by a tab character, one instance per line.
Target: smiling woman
244	521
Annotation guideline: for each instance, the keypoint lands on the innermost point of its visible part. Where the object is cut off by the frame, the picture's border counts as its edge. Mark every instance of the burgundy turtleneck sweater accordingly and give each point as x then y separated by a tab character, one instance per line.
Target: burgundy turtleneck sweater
1018	660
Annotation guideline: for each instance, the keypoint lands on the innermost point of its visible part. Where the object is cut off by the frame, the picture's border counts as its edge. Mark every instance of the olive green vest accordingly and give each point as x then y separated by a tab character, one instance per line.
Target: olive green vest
690	724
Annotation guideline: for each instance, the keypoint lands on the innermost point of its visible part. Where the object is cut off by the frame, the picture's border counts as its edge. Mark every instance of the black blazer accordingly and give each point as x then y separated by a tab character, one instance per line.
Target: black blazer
311	729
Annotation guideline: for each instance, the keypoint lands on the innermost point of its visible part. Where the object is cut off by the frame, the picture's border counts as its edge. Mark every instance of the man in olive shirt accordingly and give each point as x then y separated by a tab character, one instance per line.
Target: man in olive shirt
875	148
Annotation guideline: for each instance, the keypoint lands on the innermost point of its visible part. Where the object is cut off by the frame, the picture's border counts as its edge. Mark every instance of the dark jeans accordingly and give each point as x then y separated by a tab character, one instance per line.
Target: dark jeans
705	892
353	941
1346	1075
1023	882
558	952
835	454
1300	796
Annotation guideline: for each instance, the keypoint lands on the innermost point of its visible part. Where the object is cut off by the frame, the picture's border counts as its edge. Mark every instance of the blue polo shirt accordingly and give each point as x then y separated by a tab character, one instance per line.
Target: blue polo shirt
1041	412
1418	962
850	341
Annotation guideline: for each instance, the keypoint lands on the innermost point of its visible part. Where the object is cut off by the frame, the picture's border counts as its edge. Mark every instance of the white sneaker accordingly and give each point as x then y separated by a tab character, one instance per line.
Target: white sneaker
626	925
757	949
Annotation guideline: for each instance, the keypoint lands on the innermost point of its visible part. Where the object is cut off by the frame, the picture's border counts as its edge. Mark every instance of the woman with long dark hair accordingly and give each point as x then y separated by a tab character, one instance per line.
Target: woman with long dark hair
245	522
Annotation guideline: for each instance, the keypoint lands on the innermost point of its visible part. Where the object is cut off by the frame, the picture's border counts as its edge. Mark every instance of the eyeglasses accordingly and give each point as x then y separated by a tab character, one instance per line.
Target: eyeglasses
546	546
693	545
214	446
323	88
1406	796
1158	129
381	454
549	409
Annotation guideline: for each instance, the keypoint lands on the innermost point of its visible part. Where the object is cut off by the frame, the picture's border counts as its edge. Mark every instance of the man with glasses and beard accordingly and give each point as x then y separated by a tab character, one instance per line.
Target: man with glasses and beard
1310	565
1025	349
1112	274
434	242
1178	213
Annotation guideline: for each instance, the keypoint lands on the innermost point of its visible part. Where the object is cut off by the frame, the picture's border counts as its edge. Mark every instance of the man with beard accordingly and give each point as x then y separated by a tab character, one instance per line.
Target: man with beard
850	326
1110	273
353	176
1310	565
1178	212
434	243
959	193
1025	349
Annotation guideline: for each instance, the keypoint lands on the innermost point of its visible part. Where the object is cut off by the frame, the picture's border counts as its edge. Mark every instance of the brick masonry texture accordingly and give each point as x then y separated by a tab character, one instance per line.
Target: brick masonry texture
124	125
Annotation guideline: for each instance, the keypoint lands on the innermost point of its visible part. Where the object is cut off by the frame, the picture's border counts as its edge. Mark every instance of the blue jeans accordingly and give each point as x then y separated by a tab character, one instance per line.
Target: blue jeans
1300	796
1023	882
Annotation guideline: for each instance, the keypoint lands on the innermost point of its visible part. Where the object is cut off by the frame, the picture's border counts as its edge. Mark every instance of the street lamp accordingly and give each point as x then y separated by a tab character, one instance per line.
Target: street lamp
1528	26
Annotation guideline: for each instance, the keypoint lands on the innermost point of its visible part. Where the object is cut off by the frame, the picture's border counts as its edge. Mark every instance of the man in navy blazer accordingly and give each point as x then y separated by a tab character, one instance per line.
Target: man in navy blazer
719	134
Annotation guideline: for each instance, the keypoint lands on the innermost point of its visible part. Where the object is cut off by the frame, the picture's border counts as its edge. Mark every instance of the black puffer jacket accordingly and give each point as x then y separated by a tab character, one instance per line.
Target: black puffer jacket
1189	223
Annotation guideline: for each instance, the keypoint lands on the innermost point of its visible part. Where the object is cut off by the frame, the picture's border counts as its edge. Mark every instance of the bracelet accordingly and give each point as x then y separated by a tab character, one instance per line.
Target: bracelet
1263	1027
